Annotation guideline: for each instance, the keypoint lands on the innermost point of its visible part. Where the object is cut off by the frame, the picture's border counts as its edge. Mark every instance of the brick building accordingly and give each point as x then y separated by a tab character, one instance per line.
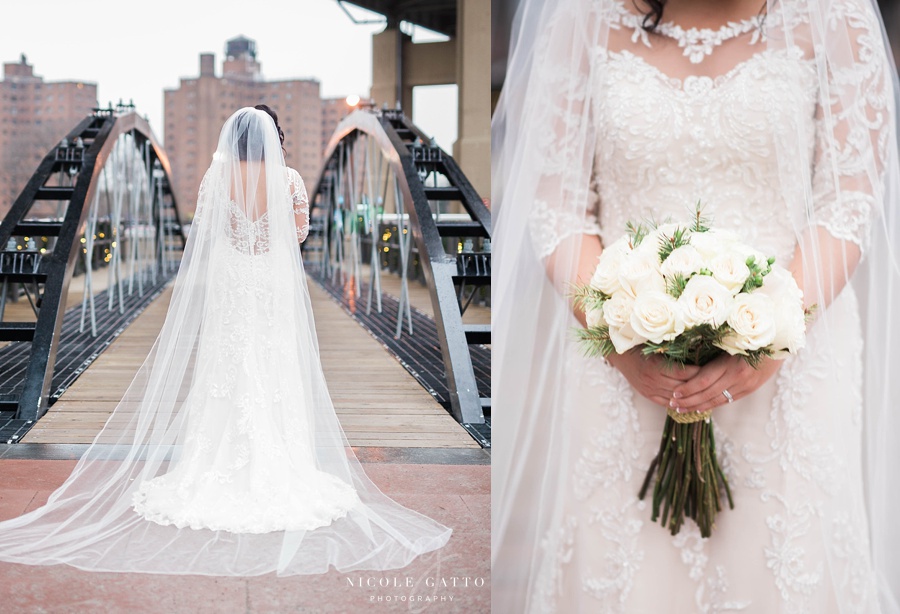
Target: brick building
333	111
195	111
34	116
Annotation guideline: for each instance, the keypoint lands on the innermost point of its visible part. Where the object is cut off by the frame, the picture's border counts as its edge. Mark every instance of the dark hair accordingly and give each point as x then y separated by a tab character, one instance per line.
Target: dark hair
654	15
274	116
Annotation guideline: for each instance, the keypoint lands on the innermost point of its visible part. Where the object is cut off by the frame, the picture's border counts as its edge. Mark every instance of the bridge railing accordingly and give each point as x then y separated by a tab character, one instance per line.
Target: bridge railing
101	197
382	171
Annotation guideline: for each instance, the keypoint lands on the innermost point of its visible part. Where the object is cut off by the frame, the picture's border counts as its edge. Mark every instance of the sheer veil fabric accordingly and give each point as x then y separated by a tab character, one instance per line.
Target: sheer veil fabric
225	456
814	96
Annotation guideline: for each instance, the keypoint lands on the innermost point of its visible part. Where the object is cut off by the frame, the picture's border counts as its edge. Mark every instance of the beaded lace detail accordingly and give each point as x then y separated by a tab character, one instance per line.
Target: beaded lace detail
698	43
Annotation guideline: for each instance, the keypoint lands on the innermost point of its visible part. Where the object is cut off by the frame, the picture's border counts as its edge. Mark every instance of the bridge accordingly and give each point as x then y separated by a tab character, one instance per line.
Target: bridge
398	257
398	261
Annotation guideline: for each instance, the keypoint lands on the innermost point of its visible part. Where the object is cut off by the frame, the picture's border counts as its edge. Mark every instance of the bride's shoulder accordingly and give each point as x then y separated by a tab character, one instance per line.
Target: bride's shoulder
292	175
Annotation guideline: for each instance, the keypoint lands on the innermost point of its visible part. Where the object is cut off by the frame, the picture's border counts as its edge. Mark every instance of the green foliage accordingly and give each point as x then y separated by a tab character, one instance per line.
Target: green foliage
587	298
675	286
701	223
595	341
757	273
695	346
669	244
755	358
636	232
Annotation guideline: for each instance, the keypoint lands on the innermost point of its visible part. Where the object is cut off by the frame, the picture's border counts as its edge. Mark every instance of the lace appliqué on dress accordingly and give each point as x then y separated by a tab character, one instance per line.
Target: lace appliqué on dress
698	43
796	576
712	588
622	555
300	203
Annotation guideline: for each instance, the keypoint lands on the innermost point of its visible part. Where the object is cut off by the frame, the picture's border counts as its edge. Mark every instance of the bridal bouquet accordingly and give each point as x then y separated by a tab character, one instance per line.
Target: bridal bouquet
690	293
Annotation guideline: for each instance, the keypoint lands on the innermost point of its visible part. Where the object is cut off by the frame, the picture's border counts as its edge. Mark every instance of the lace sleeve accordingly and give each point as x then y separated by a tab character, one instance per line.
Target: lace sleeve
300	202
566	198
549	226
853	129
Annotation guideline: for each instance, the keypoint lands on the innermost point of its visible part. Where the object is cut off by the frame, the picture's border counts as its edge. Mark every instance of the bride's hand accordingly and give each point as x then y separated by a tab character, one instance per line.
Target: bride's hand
705	391
650	375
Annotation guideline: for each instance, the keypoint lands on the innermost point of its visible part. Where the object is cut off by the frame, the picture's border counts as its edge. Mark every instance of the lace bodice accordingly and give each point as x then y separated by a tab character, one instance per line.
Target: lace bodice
756	145
250	234
664	144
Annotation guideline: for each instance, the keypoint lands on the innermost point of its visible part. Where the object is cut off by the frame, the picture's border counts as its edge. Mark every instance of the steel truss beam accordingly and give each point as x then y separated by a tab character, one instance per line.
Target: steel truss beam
452	275
71	175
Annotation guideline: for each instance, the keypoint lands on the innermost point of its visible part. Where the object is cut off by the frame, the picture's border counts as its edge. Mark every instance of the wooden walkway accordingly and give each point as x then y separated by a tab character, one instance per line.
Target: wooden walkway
378	403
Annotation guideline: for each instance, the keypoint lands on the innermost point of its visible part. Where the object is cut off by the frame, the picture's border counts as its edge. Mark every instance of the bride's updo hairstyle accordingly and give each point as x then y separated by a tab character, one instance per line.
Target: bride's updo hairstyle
274	116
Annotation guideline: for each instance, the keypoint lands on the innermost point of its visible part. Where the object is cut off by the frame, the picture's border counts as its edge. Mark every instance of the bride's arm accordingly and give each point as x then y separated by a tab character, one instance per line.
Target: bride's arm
300	203
589	249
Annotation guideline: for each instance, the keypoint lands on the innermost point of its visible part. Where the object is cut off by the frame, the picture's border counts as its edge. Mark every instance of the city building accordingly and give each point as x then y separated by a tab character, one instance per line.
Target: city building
34	116
333	111
195	111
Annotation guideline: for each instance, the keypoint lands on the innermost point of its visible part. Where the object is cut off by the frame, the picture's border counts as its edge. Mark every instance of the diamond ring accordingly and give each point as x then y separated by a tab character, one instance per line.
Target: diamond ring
728	396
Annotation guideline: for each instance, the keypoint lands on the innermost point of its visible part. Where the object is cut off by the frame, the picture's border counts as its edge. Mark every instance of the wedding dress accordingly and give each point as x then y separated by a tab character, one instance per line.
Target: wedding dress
225	456
243	470
632	126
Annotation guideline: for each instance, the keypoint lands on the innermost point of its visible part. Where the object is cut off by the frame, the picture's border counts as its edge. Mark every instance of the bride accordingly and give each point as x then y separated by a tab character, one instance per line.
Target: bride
779	117
229	458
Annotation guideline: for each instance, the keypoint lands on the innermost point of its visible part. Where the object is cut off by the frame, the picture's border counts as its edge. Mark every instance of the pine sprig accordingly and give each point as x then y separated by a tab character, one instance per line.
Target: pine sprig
636	232
695	346
667	245
701	223
676	284
754	358
587	298
596	341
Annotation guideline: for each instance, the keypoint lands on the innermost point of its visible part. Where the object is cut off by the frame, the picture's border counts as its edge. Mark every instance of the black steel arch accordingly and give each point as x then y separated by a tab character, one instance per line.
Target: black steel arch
82	154
412	155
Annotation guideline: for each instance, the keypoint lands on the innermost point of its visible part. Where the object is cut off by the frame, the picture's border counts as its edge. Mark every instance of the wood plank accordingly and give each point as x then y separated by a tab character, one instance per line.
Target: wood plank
377	402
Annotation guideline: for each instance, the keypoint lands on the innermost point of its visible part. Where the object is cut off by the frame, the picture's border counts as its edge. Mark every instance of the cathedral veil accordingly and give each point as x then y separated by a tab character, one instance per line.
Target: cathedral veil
845	217
239	305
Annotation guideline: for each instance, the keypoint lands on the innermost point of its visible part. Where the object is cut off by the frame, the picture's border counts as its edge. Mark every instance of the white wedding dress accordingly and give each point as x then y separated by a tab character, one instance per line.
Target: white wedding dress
248	461
662	145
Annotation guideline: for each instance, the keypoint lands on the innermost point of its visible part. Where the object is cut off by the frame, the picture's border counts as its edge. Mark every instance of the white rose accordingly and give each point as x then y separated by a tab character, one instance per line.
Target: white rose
790	321
617	310
657	317
617	313
594	318
746	251
752	319
711	243
606	275
684	261
705	301
730	269
639	273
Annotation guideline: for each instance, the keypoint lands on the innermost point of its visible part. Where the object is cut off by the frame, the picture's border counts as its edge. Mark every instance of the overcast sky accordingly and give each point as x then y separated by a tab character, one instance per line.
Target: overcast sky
135	50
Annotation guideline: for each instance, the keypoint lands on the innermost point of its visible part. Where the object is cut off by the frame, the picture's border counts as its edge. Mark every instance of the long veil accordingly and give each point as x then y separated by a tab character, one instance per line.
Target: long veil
238	343
846	221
